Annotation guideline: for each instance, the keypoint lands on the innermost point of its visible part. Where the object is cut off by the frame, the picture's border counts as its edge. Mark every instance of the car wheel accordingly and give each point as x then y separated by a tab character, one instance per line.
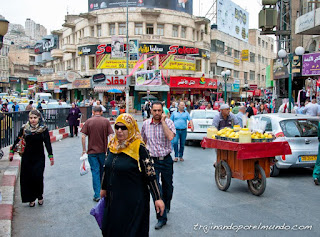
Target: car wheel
274	170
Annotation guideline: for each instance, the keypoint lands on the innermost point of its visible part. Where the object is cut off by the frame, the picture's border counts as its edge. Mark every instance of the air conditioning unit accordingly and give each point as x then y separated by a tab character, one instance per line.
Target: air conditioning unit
117	72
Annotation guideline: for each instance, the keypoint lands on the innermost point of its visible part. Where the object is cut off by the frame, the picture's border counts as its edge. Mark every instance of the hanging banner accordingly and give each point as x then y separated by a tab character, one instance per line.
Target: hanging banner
177	62
245	55
311	64
133	50
148	78
117	47
104	61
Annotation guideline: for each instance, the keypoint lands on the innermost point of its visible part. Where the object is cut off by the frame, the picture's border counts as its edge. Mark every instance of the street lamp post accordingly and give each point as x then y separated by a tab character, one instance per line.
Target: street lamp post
283	54
127	61
225	75
3	30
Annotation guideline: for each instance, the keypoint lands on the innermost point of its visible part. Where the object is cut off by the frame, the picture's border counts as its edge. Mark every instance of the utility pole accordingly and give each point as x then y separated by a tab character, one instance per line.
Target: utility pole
127	61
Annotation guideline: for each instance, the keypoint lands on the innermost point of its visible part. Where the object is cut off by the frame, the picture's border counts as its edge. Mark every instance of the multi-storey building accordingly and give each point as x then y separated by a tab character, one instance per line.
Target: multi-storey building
4	68
180	43
34	30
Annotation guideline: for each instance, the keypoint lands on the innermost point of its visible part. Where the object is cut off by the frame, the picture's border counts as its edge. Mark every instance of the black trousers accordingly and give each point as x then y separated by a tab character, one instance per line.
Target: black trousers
164	170
75	130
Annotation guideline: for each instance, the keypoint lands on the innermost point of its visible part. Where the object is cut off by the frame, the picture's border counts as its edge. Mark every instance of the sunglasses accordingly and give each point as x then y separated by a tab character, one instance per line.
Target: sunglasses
116	127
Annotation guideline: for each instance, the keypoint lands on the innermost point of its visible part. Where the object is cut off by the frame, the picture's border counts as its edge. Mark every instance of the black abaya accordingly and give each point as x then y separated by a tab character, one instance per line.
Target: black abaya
128	199
33	164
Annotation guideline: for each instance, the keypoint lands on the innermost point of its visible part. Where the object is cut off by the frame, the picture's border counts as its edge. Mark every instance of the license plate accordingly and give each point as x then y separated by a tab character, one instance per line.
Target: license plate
308	158
204	126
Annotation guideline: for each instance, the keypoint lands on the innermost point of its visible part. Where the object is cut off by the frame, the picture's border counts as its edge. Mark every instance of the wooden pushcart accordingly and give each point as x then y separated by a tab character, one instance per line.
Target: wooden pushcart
245	161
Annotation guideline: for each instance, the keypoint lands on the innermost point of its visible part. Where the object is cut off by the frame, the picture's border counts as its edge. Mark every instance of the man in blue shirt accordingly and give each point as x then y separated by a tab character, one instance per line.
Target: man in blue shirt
15	107
180	119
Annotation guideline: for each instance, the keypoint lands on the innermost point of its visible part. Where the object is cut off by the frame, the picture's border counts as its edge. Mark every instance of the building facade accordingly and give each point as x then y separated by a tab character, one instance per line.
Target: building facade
4	68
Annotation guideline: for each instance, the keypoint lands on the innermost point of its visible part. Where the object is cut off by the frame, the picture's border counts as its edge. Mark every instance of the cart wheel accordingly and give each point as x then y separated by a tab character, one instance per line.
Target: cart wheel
258	184
223	175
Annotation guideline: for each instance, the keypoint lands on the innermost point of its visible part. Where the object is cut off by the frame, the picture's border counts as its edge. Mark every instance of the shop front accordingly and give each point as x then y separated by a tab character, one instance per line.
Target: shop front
151	93
191	88
79	86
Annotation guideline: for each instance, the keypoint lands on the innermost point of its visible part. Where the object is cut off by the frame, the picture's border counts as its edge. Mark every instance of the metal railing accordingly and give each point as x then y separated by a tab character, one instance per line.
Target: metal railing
11	123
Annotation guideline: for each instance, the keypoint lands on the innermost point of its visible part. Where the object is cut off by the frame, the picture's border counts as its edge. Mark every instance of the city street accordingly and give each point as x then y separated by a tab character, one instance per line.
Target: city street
290	199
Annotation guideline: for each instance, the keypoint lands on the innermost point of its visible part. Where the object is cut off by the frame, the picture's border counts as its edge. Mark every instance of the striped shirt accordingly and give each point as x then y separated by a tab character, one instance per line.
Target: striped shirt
157	142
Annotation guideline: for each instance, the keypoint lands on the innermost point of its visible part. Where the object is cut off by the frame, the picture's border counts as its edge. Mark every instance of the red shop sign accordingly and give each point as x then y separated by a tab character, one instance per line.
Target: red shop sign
193	82
116	80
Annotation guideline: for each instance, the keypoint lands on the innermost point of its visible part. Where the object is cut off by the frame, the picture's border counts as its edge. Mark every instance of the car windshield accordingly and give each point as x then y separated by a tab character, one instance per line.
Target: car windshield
204	114
299	128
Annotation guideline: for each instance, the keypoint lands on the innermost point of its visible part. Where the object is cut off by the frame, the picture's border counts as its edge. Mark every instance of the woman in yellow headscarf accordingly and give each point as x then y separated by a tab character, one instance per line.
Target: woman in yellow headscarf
128	172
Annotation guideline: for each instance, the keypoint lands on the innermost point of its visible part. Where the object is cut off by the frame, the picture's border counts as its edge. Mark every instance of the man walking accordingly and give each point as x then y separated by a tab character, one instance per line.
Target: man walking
97	129
180	119
157	133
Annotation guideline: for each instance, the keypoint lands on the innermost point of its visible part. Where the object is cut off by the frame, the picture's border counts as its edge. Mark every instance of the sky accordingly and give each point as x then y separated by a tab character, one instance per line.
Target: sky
51	13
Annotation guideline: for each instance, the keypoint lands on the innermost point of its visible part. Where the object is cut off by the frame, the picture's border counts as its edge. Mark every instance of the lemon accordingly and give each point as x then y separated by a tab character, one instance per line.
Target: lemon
219	133
213	136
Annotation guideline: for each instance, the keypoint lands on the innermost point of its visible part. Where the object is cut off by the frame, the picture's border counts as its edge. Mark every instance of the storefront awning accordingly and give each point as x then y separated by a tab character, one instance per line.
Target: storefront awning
66	86
105	88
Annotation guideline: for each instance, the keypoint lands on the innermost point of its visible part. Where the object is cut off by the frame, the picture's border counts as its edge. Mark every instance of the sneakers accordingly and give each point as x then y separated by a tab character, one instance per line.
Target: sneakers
316	181
96	199
159	225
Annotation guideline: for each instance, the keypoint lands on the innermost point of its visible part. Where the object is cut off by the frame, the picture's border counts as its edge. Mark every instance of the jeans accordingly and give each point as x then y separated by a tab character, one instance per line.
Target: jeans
96	162
164	168
180	135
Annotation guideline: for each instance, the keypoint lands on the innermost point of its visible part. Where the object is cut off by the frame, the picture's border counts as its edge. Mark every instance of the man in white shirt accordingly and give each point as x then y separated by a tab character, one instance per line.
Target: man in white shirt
311	108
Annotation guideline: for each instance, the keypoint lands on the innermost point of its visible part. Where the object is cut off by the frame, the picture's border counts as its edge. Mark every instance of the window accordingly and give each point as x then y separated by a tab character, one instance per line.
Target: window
258	77
236	54
262	43
266	45
259	41
175	31
262	77
83	64
219	70
150	29
183	32
229	51
122	29
112	29
299	128
252	57
138	29
217	46
262	59
193	34
236	74
198	65
259	58
213	68
272	47
160	29
98	30
92	62
245	76
269	124
252	75
91	32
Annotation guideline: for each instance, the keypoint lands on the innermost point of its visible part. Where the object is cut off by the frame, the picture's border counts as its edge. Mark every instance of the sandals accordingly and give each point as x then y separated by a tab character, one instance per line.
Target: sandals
40	202
32	204
175	159
181	159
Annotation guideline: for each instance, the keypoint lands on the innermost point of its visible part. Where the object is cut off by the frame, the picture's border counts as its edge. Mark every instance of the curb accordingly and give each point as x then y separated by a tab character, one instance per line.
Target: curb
9	180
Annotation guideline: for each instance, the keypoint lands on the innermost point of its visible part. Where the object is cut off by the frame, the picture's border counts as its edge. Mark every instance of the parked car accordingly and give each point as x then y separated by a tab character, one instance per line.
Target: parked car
202	119
301	132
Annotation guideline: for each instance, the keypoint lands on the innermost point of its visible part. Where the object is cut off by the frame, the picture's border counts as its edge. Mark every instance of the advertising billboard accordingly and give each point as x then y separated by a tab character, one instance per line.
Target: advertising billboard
117	47
177	5
148	78
232	19
311	64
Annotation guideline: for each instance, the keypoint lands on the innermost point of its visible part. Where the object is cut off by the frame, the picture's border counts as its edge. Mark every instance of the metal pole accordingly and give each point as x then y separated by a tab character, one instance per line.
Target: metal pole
290	82
127	61
225	88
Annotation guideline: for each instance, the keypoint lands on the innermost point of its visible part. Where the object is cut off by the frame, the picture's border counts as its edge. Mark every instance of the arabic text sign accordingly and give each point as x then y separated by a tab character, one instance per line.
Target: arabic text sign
311	64
193	82
148	78
81	83
105	62
176	62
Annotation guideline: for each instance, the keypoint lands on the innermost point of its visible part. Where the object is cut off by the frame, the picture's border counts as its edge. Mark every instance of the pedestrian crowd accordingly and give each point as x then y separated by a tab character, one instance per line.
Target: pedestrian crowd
127	164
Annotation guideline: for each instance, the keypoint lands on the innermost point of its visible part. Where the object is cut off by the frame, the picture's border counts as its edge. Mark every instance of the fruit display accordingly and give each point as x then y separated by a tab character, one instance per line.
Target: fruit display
231	134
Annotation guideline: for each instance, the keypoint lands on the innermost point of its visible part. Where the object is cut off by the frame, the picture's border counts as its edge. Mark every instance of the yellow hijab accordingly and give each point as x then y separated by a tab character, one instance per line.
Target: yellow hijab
131	145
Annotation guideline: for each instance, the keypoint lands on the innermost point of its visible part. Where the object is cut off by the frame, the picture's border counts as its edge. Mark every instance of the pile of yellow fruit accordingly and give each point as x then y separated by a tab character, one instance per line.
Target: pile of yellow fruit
227	132
257	135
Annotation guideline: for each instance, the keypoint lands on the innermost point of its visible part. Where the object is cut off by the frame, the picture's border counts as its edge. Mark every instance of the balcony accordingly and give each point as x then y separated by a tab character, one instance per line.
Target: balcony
88	40
56	53
309	23
69	48
88	15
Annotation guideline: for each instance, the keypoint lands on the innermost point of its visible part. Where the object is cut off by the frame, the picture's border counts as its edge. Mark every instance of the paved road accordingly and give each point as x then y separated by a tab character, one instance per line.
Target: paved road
291	199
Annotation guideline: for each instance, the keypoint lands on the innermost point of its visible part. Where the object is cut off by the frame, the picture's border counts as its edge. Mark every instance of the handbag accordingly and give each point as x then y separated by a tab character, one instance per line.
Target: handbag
21	144
98	211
